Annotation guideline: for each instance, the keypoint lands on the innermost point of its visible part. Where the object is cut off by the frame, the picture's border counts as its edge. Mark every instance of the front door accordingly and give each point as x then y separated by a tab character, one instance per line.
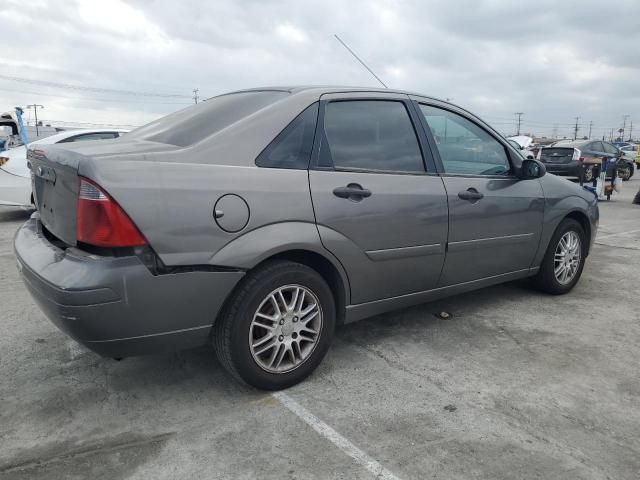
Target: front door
495	219
378	208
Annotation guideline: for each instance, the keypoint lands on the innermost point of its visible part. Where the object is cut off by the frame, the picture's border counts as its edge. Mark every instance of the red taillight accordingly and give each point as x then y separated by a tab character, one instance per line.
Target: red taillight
101	222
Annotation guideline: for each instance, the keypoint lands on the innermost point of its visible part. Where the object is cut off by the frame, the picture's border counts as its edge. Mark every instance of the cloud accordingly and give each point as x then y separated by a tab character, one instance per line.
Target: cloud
552	60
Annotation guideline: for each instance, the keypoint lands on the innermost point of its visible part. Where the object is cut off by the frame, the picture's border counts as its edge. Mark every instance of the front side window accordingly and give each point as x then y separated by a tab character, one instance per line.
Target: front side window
610	149
370	135
464	147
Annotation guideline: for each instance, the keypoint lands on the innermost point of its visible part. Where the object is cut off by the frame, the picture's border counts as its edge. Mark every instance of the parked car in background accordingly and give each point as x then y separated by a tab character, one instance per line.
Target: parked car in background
567	157
15	177
260	219
523	143
631	152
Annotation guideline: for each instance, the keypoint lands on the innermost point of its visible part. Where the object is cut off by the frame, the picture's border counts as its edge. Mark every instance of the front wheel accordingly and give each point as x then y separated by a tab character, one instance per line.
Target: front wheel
277	326
563	262
625	173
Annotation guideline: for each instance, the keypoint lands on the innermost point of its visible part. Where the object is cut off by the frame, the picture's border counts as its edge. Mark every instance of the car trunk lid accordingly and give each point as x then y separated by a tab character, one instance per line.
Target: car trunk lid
557	154
55	194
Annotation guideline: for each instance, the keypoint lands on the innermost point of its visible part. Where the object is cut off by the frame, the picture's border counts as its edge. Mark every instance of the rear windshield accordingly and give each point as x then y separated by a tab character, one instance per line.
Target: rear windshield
193	124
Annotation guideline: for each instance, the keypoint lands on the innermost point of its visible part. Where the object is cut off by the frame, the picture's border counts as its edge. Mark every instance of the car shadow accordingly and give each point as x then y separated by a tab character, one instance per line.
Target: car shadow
13	214
199	368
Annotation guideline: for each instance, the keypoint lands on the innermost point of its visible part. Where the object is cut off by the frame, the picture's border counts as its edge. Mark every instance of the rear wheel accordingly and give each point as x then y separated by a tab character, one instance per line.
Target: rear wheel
277	326
563	262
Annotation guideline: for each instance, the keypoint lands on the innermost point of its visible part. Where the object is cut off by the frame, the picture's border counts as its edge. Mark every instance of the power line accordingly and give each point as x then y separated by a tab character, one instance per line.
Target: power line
90	89
358	58
91	99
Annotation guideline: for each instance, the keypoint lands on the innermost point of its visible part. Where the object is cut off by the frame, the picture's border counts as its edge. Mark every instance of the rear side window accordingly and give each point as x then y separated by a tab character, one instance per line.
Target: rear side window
292	147
464	147
370	135
193	124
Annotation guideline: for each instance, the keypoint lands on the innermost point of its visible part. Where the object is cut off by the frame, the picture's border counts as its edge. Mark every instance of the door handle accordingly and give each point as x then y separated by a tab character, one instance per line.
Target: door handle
470	194
353	191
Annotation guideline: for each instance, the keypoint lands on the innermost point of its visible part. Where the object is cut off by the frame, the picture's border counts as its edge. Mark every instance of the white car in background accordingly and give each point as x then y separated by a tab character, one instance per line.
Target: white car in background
522	142
15	177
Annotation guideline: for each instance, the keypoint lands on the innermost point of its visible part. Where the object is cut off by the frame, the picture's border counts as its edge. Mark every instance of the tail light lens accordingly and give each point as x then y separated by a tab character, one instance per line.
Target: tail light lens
101	222
3	160
576	154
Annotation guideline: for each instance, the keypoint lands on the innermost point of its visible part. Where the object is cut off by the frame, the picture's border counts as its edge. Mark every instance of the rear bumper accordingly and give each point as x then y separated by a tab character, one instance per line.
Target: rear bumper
14	189
571	169
114	305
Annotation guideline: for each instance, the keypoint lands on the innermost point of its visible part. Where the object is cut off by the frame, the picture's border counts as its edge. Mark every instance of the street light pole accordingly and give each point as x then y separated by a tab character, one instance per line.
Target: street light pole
35	111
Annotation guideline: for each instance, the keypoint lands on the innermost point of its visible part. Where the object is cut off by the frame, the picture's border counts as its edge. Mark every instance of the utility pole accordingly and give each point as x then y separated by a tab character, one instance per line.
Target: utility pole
575	130
554	132
35	107
630	130
590	127
195	95
624	126
519	120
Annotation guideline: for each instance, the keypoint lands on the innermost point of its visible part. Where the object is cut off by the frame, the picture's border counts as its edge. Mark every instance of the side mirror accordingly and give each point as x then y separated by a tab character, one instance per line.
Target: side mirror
531	168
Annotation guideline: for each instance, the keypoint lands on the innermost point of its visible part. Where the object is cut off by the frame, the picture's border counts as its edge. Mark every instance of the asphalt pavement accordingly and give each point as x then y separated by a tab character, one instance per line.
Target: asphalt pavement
515	384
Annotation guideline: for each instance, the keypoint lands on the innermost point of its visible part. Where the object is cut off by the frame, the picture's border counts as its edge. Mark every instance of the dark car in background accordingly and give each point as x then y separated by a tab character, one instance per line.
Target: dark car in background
568	157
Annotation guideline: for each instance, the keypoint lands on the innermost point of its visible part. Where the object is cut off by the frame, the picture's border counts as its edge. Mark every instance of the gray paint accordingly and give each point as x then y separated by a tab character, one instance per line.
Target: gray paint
414	239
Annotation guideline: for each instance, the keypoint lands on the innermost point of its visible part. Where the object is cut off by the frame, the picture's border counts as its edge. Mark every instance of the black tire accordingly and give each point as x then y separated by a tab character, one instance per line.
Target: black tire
545	279
625	173
232	329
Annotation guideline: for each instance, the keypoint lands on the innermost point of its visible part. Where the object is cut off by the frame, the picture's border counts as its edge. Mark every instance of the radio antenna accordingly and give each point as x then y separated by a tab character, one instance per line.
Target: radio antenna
358	58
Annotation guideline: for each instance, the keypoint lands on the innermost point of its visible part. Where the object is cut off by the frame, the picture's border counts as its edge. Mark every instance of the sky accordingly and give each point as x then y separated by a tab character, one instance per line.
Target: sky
552	60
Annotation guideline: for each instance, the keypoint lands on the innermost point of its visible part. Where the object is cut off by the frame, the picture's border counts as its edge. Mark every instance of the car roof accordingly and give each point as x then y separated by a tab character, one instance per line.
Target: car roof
324	89
571	143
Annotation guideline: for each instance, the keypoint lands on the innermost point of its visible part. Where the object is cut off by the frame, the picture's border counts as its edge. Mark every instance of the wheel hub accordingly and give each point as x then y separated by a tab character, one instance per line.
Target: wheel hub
567	257
285	328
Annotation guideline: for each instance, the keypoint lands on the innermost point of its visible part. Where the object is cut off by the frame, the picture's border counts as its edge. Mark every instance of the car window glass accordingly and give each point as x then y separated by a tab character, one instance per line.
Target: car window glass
596	147
370	135
89	136
464	147
608	148
197	122
292	147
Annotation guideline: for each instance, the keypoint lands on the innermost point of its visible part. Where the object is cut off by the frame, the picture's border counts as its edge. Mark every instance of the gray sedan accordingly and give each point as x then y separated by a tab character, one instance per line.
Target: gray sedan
259	220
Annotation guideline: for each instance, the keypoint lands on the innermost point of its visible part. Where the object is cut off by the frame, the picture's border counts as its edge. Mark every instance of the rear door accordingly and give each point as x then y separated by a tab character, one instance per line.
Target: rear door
495	219
380	208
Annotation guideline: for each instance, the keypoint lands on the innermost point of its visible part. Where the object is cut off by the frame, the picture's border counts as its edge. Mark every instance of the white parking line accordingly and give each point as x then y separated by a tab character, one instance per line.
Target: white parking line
600	237
334	437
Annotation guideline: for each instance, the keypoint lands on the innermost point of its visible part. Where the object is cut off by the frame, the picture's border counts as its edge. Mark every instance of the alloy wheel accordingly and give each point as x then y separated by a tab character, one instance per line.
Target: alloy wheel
285	328
567	257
